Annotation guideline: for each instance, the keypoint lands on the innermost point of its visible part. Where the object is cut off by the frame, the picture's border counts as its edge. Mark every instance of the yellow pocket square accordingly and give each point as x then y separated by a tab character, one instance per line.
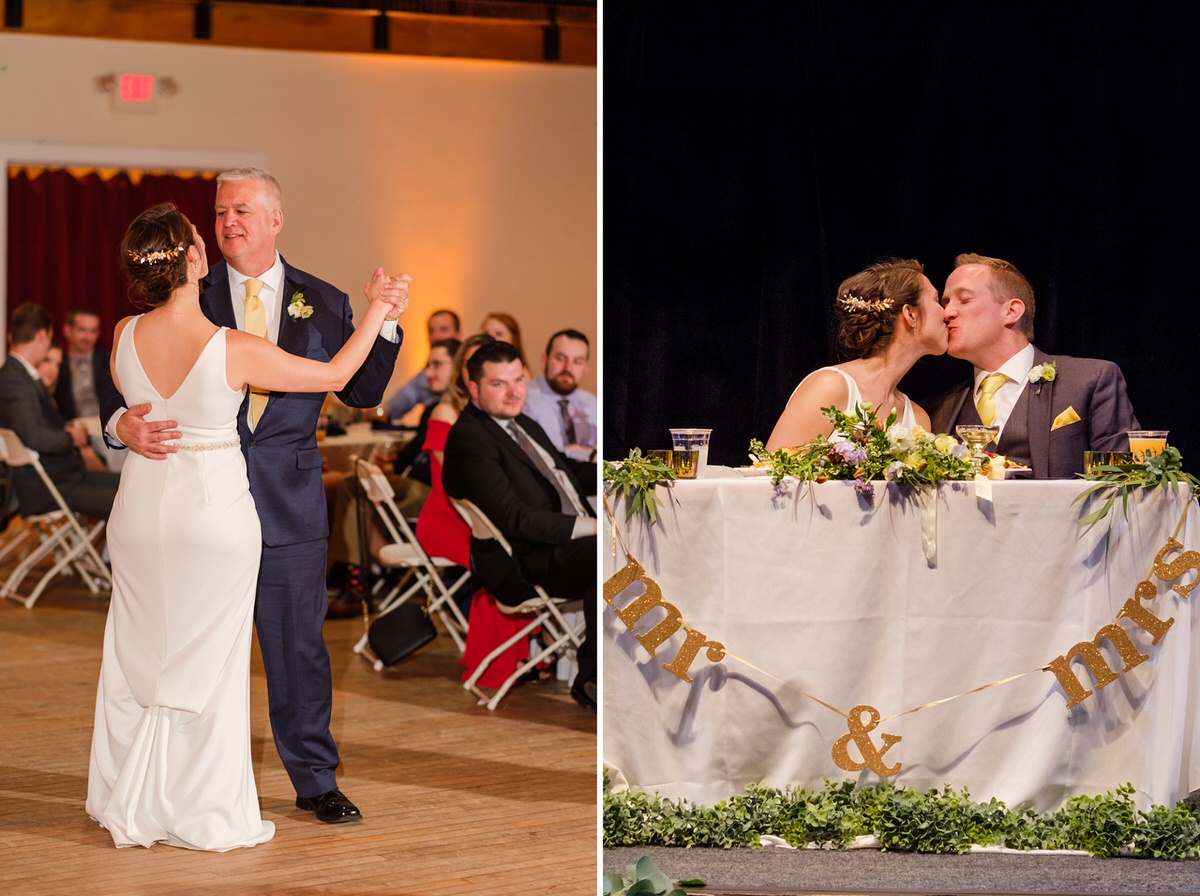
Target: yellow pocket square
1066	418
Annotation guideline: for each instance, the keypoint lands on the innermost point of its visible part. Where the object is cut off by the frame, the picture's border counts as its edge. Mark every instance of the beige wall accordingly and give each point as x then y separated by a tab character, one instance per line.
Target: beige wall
478	178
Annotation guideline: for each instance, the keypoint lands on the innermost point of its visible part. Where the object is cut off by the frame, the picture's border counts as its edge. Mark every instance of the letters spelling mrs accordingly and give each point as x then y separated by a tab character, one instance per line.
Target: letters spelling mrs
1089	651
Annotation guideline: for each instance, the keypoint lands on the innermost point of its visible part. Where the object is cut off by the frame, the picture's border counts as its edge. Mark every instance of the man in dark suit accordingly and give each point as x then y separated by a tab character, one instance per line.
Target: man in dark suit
26	408
1050	408
534	495
307	317
76	392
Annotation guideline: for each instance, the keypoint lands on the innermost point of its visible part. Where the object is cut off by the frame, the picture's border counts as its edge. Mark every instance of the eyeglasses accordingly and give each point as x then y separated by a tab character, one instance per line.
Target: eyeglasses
432	363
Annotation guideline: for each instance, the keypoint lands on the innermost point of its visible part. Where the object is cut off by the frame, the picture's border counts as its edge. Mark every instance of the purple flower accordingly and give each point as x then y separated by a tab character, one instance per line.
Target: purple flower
850	452
865	487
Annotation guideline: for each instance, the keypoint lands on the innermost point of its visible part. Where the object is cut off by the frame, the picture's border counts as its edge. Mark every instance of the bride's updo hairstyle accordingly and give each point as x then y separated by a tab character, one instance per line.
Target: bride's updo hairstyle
154	254
868	305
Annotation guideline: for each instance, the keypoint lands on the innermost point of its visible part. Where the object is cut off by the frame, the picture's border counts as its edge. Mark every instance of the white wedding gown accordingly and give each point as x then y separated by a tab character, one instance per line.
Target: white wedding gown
170	755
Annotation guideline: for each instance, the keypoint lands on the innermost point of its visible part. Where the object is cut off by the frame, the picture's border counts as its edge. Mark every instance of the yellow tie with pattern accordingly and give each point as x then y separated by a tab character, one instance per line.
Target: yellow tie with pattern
256	323
986	403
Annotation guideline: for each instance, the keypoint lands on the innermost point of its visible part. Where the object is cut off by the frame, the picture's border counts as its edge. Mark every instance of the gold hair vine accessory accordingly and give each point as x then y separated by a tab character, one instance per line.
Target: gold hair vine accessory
850	302
156	256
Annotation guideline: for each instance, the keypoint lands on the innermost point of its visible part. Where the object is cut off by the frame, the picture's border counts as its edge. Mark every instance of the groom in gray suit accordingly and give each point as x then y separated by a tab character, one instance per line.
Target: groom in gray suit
1050	408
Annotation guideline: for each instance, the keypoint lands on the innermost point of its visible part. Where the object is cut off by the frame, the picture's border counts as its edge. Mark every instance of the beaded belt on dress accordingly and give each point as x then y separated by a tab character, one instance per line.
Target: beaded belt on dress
208	446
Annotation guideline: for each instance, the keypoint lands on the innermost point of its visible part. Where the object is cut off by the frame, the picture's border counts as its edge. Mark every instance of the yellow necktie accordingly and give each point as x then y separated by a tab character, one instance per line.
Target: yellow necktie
256	323
986	403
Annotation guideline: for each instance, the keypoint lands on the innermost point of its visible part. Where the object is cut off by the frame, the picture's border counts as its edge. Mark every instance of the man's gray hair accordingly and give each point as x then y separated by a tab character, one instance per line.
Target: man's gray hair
271	188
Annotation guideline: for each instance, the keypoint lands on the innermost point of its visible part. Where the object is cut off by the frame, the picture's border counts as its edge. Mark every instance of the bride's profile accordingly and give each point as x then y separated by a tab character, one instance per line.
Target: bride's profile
887	316
170	758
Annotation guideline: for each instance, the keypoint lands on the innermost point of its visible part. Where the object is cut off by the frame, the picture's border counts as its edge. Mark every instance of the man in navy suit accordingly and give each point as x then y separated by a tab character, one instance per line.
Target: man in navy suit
307	317
1050	408
537	500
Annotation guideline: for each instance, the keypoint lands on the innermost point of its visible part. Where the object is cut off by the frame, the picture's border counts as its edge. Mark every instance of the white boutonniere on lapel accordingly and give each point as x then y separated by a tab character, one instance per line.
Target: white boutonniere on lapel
1043	373
297	308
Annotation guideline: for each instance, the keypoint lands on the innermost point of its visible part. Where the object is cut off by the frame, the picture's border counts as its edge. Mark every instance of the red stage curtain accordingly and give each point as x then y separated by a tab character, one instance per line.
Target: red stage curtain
65	228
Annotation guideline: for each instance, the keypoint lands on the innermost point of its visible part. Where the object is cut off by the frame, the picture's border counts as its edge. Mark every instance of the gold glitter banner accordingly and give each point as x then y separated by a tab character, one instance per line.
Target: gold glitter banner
663	626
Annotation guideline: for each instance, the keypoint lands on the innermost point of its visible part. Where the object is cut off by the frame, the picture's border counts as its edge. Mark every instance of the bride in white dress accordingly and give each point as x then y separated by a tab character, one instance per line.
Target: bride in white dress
887	317
170	758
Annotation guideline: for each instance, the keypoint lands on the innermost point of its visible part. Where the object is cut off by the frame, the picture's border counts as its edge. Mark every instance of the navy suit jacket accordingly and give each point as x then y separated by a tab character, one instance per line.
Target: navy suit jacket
1095	389
486	466
282	458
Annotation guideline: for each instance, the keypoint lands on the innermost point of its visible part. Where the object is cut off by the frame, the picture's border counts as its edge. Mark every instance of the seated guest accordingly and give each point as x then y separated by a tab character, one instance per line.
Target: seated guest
505	463
1077	404
443	533
442	324
49	367
83	371
887	317
27	409
409	480
440	529
555	401
503	327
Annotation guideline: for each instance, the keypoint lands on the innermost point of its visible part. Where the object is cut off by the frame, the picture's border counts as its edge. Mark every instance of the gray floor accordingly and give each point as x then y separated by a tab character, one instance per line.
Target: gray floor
788	872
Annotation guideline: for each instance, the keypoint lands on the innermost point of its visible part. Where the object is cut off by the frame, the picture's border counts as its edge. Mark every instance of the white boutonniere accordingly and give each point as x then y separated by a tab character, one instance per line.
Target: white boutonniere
1043	373
297	308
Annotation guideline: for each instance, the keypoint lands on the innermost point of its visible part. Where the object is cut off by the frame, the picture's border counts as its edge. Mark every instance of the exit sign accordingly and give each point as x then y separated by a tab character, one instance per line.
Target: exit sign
134	92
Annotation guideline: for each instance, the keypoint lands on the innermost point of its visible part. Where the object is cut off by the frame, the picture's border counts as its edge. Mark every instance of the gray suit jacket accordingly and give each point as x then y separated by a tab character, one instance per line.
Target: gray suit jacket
1093	388
26	409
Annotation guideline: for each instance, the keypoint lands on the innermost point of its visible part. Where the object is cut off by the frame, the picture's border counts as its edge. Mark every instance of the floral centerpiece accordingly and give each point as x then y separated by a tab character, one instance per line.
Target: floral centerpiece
864	449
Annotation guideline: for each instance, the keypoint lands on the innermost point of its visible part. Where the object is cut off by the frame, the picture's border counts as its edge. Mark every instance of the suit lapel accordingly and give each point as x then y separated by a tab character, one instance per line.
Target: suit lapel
1039	415
292	338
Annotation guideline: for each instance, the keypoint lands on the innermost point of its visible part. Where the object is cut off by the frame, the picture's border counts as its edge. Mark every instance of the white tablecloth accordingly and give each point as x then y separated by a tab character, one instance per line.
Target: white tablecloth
830	598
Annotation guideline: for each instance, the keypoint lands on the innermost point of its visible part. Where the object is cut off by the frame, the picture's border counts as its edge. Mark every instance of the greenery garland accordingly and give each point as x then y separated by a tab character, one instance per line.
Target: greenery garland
637	476
903	820
1118	480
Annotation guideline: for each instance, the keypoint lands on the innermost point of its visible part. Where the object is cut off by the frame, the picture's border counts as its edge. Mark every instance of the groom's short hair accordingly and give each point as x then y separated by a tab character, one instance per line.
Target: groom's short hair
1009	284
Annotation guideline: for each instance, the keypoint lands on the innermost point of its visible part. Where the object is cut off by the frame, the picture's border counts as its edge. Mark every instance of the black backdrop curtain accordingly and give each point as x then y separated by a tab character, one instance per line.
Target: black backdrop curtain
65	228
755	157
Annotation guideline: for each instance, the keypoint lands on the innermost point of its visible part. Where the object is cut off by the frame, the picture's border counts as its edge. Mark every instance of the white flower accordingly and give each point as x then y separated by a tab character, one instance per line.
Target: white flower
900	436
1043	373
297	309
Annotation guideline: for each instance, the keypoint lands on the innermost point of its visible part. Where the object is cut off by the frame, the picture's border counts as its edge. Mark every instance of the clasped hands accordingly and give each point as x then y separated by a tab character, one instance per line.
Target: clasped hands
390	289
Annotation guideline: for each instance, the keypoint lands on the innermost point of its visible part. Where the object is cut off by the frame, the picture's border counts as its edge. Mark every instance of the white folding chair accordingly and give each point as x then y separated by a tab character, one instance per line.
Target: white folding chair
422	572
57	534
545	612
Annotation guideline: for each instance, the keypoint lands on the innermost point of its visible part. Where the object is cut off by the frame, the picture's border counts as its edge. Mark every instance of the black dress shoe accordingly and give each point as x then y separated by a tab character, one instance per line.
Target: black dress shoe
332	807
585	692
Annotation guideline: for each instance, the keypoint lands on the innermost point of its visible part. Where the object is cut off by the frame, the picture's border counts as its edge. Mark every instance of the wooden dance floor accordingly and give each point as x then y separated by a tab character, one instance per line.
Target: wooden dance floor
456	800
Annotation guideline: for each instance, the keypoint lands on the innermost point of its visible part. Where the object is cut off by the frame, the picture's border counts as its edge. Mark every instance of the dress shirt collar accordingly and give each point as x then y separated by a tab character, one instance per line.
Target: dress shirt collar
272	280
29	368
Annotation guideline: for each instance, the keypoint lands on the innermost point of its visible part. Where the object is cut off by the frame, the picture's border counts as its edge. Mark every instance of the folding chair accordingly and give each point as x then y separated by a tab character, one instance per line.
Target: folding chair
545	612
57	534
422	572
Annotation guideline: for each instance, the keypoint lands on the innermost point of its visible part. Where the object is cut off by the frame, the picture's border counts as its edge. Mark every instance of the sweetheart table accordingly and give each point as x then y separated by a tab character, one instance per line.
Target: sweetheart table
821	601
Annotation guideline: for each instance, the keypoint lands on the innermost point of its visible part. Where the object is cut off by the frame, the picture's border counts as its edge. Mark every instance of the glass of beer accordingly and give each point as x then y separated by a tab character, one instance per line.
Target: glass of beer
685	439
686	462
1144	443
